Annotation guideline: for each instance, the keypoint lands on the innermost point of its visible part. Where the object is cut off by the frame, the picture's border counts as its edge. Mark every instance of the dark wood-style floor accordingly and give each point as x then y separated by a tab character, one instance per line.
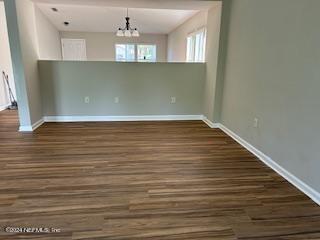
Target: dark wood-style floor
143	180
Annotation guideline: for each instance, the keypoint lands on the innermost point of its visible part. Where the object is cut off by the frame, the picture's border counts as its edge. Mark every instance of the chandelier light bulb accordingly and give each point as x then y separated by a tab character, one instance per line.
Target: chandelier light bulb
135	33
127	33
120	33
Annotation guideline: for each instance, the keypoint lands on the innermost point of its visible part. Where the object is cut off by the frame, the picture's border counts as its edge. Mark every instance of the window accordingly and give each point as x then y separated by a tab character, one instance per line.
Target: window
133	52
196	46
125	53
147	53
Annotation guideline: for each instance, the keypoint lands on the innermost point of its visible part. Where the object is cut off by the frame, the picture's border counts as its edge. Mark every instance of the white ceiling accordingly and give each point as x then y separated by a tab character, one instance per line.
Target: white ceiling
154	4
149	16
109	19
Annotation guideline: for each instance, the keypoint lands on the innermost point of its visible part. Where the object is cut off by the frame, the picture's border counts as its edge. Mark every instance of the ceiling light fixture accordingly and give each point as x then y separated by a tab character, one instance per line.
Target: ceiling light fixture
127	31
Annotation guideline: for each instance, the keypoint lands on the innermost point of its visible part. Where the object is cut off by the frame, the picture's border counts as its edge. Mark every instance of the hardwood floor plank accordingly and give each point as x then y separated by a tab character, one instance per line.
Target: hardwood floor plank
142	181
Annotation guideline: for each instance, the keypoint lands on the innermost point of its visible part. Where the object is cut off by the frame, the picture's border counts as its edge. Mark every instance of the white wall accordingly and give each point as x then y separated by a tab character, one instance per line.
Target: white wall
30	55
48	38
177	43
5	60
101	46
212	50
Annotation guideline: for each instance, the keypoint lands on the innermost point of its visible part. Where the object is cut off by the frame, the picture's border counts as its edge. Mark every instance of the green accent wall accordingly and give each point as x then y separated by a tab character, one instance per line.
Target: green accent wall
272	73
142	88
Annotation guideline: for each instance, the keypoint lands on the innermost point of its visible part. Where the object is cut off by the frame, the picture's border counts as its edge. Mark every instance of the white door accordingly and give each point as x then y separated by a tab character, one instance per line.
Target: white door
74	49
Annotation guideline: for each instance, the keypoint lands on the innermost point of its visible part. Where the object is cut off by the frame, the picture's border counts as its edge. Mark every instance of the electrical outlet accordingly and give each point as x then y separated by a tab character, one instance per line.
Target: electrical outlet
255	122
116	100
173	100
86	100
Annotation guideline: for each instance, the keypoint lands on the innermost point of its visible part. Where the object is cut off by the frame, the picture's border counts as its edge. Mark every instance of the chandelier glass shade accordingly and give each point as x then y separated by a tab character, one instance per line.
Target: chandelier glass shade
128	31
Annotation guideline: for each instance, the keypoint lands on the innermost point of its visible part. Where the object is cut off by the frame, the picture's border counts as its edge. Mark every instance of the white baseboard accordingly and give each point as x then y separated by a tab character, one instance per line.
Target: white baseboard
108	119
25	129
302	186
209	123
4	107
37	124
121	118
31	128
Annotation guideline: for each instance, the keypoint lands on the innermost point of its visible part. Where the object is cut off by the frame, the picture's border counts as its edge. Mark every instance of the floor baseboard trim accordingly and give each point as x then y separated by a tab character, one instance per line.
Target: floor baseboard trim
121	118
31	128
302	186
25	129
37	124
4	107
209	123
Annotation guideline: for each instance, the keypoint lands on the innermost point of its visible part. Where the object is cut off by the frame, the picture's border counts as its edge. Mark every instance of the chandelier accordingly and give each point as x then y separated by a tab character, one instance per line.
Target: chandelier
127	31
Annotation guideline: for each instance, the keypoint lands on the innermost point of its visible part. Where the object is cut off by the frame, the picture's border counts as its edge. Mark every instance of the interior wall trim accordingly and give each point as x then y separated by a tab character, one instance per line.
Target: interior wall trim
209	123
25	129
121	118
4	107
32	127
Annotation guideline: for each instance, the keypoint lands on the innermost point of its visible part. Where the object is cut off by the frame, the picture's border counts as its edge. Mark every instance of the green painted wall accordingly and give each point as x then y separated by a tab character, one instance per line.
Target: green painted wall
272	72
143	88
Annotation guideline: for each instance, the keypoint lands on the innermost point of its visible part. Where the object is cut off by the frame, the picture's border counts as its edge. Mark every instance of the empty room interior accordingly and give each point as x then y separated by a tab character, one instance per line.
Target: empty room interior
160	119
